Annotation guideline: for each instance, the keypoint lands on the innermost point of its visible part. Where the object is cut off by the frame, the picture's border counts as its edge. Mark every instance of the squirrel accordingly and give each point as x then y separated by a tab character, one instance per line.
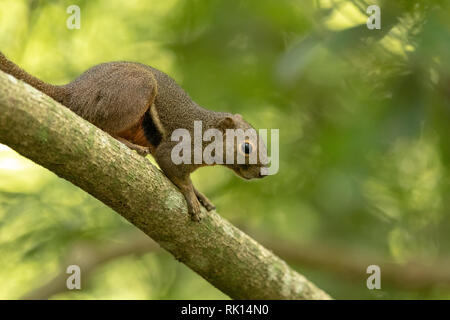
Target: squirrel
141	106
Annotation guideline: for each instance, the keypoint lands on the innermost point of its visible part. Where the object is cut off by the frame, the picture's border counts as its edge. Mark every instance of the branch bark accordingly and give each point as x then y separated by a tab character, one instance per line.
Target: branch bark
51	135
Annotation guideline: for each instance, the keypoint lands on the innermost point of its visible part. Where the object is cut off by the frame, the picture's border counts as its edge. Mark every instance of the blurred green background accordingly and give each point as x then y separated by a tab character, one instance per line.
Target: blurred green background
364	153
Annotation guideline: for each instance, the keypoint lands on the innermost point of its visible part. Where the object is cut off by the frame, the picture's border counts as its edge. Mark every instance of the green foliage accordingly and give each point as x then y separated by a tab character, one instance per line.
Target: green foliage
363	118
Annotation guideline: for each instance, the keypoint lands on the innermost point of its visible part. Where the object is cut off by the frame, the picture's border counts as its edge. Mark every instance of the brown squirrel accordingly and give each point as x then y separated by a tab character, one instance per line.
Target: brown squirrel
141	107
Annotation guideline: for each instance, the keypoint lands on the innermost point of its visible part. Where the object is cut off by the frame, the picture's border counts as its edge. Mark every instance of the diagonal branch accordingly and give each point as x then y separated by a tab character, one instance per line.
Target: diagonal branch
42	130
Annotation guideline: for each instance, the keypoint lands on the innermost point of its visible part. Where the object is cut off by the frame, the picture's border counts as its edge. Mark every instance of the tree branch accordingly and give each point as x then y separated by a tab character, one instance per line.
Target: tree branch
347	264
351	264
42	130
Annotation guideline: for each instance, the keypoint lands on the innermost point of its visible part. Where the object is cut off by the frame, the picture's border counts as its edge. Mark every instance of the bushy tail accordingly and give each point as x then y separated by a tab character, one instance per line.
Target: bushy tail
11	68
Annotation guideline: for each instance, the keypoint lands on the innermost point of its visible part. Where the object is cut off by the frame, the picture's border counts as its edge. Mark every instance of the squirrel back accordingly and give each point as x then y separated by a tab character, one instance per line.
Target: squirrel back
102	94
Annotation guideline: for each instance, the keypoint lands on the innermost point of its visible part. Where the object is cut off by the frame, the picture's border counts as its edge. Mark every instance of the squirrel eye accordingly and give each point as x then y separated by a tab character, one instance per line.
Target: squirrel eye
246	148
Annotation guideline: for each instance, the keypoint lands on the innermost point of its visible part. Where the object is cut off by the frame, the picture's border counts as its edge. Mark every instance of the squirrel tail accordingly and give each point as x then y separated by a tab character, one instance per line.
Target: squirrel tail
13	69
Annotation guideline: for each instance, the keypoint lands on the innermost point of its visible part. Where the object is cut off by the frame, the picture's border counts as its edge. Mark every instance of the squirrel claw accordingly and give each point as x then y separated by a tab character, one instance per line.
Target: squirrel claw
194	211
207	204
205	201
195	217
209	207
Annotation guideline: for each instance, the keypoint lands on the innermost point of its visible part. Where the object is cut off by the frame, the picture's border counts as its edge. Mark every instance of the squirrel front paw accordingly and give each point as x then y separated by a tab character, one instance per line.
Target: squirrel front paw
208	205
195	211
205	201
195	215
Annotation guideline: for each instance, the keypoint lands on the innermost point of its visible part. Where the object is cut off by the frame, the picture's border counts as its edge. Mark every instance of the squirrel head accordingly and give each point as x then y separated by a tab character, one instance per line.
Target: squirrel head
243	142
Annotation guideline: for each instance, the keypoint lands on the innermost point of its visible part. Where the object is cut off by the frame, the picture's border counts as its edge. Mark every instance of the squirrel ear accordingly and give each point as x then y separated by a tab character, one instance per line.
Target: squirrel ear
238	116
226	123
